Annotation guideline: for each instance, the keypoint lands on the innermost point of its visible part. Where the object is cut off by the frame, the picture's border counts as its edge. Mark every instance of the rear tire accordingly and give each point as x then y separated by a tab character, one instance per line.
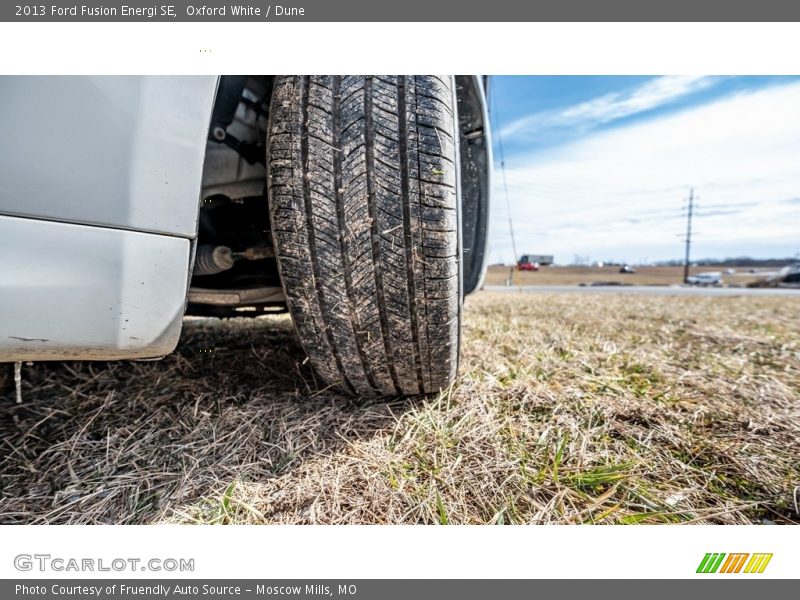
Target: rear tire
363	195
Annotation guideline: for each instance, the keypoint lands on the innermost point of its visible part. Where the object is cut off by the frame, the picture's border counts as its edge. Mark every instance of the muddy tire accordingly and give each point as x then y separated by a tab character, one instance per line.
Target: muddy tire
363	195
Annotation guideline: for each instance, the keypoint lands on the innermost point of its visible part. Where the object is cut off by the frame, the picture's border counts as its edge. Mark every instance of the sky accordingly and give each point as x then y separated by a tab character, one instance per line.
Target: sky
600	168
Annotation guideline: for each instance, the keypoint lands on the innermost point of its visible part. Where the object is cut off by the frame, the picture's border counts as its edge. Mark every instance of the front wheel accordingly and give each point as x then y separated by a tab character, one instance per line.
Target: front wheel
364	204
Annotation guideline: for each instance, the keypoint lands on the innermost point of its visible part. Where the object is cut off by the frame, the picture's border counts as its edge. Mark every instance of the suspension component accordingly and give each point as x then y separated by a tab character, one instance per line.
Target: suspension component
257	253
211	260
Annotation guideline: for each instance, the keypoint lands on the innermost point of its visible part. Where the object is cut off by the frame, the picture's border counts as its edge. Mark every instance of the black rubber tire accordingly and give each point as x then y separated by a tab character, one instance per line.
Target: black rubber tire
363	196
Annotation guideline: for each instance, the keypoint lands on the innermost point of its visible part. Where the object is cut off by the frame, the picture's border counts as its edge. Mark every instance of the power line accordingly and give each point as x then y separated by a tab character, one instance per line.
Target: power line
493	116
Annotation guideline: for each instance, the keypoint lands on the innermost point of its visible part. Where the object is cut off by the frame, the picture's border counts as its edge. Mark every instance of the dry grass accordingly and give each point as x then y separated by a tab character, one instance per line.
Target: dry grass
570	409
643	275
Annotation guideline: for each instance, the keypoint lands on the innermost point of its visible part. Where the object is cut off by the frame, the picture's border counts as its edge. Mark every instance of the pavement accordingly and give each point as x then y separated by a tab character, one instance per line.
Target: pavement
652	290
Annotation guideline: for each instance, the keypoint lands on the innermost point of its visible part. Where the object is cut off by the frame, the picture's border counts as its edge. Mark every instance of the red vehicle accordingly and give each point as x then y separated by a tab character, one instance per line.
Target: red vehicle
526	264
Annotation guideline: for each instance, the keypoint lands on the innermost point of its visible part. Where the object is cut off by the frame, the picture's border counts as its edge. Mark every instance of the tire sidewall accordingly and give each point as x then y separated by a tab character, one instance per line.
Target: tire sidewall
459	216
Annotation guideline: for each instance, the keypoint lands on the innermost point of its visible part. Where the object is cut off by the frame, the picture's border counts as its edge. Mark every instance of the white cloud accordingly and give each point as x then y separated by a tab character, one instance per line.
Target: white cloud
618	194
610	107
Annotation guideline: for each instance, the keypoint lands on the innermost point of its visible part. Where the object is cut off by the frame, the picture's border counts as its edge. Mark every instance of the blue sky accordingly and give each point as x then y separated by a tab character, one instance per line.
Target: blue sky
599	166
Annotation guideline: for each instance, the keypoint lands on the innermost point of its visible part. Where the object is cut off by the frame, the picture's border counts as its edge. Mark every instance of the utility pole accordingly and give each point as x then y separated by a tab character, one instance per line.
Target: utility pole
688	236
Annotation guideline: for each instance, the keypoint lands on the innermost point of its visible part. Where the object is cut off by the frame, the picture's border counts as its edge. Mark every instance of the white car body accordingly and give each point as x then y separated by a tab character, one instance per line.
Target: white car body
99	197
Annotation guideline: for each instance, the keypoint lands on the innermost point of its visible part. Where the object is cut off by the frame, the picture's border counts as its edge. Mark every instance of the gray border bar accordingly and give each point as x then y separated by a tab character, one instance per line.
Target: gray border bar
405	11
713	586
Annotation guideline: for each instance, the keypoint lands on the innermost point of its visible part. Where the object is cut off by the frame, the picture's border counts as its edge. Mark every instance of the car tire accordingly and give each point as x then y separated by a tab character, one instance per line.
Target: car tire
363	182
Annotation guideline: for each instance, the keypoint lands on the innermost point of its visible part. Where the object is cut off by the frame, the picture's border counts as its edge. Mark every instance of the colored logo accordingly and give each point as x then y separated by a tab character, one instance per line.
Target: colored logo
742	562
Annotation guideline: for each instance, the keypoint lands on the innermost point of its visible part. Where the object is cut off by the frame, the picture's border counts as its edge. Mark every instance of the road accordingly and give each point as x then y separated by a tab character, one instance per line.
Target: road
663	290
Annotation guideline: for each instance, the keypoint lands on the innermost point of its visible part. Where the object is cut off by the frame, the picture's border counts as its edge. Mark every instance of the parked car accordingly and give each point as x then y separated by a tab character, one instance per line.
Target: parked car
627	269
357	203
705	279
526	264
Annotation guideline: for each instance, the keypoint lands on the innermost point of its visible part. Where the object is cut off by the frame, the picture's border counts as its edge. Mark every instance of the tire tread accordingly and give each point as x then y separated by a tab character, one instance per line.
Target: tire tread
363	203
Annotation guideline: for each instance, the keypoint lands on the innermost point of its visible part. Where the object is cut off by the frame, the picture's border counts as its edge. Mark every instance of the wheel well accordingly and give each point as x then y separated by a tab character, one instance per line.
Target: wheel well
235	272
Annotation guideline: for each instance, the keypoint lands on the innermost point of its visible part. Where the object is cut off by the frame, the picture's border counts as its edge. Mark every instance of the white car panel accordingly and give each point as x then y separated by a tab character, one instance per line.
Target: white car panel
82	292
118	151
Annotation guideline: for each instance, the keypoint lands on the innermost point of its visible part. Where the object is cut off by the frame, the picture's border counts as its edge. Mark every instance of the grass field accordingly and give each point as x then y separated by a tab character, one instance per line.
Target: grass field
570	409
644	275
